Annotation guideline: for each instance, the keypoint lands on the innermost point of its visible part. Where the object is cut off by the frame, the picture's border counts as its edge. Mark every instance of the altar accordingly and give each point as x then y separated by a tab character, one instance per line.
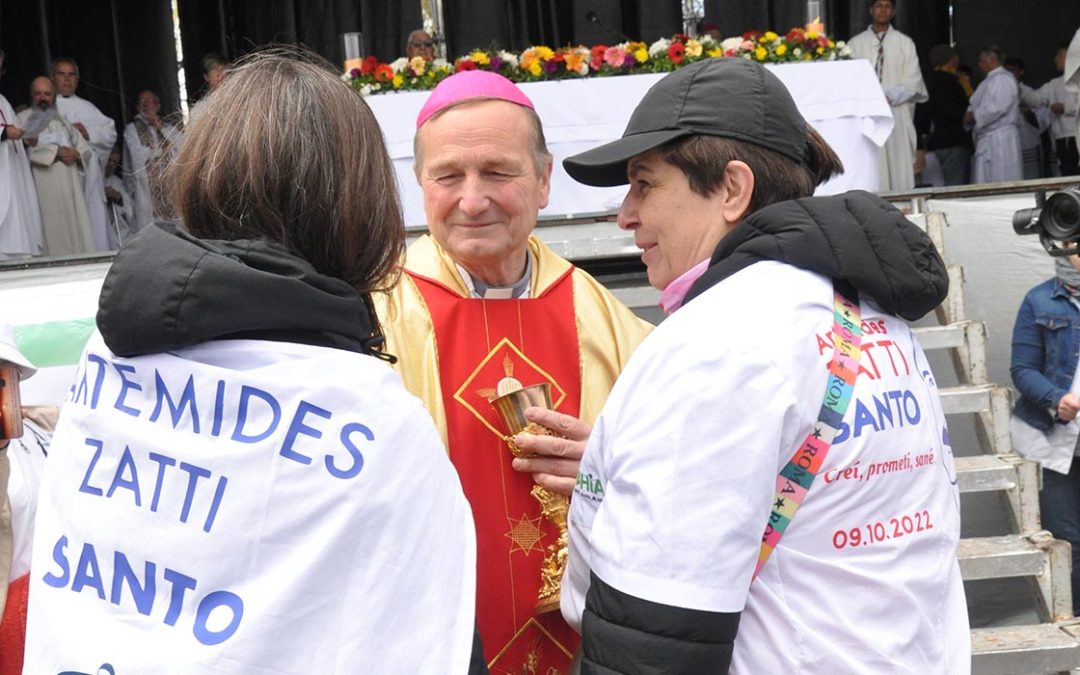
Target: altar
841	99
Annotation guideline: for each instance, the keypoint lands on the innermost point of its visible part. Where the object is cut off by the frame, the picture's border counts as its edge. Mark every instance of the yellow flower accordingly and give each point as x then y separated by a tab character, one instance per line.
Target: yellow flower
812	34
480	58
831	44
781	50
534	67
544	52
693	48
635	46
714	52
417	65
807	56
399	80
820	50
769	36
760	53
641	55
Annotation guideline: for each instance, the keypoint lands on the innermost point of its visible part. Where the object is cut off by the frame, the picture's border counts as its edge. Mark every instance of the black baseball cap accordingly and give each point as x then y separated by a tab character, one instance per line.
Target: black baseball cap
730	97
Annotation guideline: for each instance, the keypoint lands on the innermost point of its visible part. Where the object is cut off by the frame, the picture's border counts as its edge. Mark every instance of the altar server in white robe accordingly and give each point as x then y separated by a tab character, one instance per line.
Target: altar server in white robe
897	66
994	119
98	130
1071	74
20	219
148	142
58	154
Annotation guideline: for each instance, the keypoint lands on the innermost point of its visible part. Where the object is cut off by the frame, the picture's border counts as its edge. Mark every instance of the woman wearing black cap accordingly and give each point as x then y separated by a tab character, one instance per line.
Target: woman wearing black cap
681	555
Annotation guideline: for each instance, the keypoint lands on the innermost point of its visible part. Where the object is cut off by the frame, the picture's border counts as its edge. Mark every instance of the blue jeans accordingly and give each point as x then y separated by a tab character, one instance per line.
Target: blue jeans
1059	503
955	164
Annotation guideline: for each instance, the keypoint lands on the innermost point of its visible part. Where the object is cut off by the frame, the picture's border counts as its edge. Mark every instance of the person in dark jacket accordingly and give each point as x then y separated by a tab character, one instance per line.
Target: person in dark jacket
1045	351
237	463
948	139
696	542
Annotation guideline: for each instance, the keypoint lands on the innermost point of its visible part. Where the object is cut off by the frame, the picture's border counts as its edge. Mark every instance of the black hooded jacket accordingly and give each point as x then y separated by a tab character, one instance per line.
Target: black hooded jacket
167	290
855	237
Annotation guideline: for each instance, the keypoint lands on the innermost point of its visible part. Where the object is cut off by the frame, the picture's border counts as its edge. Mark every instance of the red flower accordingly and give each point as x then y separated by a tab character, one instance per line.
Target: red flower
794	35
596	57
465	64
680	37
384	73
751	35
367	66
676	52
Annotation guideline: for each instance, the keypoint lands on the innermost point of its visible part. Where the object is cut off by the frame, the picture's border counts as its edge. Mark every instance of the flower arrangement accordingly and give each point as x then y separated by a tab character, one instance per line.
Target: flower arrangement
543	63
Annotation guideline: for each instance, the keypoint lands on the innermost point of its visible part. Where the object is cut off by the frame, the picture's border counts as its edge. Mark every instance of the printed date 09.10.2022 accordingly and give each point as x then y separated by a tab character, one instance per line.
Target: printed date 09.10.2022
893	528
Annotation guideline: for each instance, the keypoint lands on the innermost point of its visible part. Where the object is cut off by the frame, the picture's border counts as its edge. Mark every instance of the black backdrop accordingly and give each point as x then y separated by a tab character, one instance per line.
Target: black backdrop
123	46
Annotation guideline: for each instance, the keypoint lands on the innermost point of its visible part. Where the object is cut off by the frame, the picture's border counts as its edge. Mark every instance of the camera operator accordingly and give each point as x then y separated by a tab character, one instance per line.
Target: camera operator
1045	351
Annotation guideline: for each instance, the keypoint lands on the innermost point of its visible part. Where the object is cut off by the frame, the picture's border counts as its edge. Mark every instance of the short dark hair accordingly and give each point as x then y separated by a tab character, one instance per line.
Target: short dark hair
776	178
1014	62
213	60
286	152
63	59
941	54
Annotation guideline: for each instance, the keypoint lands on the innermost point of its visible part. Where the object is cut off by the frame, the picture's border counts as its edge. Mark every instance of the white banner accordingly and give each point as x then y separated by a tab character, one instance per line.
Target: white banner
248	507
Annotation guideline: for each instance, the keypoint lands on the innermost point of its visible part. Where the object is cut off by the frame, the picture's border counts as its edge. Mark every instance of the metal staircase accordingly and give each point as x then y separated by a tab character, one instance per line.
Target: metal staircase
1028	551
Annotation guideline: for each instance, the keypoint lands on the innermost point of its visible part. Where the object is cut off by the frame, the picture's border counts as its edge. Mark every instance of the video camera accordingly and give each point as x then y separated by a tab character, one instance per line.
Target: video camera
1056	219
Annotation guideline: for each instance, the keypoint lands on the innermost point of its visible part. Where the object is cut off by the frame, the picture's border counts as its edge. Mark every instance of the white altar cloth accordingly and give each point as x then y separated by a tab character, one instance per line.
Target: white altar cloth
841	99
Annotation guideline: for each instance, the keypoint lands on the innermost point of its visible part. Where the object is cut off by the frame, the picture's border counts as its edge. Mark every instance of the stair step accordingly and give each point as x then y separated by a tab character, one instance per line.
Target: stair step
942	337
996	557
982	473
967	398
1043	648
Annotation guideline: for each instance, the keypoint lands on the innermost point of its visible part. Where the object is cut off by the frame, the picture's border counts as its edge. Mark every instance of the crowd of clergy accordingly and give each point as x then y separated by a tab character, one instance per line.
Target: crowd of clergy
66	193
949	132
68	196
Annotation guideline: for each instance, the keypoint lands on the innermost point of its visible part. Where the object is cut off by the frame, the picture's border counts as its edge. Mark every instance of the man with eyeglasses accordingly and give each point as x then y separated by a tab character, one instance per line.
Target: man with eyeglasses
896	63
420	44
98	130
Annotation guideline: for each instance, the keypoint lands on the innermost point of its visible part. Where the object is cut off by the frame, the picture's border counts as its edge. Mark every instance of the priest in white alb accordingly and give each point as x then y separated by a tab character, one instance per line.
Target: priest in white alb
148	142
1072	74
20	219
58	155
98	130
994	119
897	66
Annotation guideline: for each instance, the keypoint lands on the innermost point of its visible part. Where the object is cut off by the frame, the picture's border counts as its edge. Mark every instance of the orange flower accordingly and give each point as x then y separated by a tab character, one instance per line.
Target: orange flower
384	73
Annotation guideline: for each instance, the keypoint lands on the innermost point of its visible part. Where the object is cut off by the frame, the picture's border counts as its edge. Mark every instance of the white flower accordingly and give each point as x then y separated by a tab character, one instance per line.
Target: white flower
439	63
843	49
732	43
399	65
583	68
509	58
797	52
659	47
346	77
365	90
